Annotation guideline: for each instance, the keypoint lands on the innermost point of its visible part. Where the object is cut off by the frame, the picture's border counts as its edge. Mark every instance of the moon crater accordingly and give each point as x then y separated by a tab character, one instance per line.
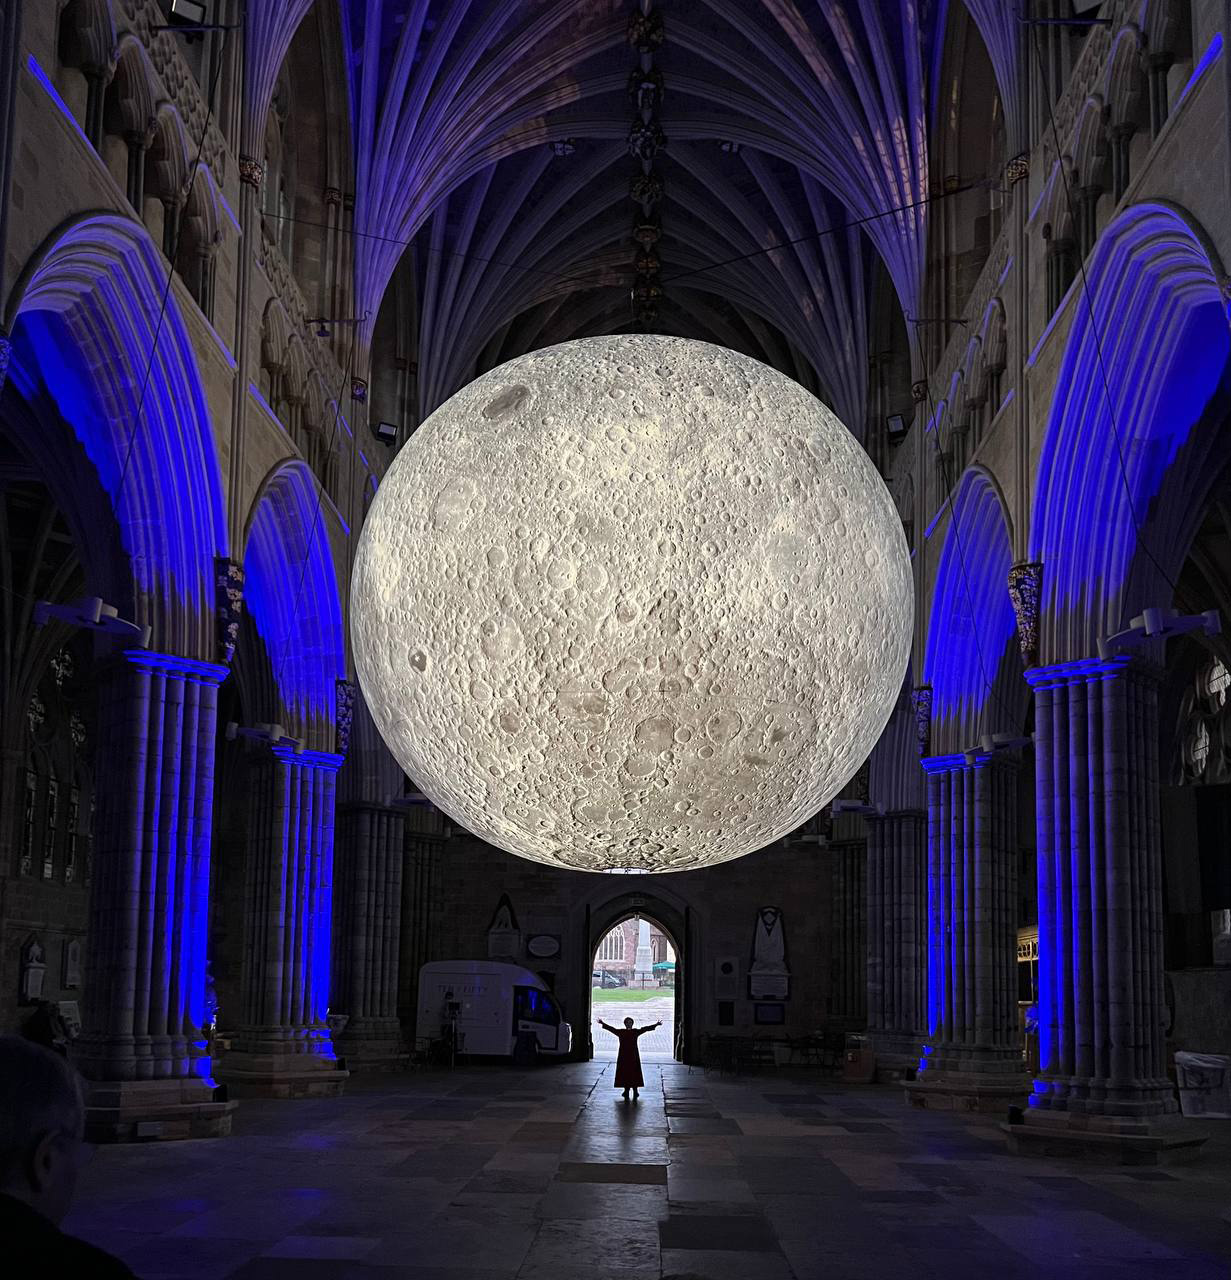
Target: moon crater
631	603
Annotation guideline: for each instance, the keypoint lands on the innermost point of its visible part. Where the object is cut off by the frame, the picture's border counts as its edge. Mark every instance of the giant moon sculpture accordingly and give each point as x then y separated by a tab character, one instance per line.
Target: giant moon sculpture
631	603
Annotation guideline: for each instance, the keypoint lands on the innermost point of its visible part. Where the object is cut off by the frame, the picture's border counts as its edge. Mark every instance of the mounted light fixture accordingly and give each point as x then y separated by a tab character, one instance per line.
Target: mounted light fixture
386	432
274	734
1158	624
895	428
322	323
189	19
93	614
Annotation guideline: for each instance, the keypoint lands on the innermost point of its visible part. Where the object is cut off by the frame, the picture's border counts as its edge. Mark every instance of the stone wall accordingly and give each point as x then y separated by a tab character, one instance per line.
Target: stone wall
717	908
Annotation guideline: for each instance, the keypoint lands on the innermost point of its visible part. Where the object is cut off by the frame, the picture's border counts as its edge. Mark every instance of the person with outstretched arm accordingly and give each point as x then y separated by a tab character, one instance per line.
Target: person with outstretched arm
628	1060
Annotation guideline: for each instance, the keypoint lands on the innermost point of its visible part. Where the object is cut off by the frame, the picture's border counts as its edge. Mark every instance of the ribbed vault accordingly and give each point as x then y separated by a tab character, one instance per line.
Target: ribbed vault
496	137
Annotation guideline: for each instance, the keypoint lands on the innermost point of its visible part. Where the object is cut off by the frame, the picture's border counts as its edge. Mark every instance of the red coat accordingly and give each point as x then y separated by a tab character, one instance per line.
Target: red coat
628	1061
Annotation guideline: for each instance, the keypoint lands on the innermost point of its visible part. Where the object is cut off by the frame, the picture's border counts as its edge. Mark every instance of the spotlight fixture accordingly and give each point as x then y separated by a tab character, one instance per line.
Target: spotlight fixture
386	432
321	324
1157	624
274	734
189	18
859	807
94	613
895	427
193	11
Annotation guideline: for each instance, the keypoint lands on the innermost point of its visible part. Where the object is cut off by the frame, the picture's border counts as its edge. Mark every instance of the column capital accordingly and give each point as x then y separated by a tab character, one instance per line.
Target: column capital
1090	671
185	668
897	813
968	760
954	761
327	760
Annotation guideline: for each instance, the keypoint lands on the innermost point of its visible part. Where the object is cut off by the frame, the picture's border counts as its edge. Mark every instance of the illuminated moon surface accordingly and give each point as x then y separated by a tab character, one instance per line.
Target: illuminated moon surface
632	602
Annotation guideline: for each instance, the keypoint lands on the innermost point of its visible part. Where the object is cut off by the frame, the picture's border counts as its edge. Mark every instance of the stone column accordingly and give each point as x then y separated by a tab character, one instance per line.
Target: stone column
371	844
138	144
425	835
283	1047
848	919
1102	1082
897	939
142	1046
972	1060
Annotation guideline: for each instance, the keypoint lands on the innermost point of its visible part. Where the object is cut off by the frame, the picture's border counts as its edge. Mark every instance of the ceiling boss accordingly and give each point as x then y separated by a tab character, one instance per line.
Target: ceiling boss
632	603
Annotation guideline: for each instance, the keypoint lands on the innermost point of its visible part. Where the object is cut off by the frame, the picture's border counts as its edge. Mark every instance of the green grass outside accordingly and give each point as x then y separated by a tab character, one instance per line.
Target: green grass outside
629	995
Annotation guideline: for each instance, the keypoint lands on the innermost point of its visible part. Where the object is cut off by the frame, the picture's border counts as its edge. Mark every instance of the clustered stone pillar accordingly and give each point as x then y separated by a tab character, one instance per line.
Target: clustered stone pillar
283	1047
371	841
972	1060
848	959
1101	1003
142	1046
897	934
425	834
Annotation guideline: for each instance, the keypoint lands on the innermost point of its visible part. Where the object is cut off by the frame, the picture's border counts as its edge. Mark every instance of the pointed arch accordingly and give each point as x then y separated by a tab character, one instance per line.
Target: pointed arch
292	596
1146	356
971	658
84	319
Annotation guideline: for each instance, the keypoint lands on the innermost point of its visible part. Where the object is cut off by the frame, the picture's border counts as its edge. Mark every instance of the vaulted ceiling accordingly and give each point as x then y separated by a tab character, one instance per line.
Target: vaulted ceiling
505	138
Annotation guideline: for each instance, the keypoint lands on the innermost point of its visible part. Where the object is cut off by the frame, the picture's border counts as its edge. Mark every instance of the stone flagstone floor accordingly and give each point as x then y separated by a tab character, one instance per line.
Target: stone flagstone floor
488	1173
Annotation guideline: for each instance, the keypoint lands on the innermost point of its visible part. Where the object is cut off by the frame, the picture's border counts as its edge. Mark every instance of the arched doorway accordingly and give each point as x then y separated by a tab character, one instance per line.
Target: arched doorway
674	923
633	974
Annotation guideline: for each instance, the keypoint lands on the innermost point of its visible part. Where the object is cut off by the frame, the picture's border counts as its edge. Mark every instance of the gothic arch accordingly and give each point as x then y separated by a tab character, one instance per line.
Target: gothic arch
291	596
1152	338
617	898
971	656
895	779
85	333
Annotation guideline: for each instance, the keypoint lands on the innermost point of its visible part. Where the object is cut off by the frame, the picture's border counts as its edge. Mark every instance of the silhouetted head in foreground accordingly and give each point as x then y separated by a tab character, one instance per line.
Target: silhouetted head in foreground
42	1123
628	1022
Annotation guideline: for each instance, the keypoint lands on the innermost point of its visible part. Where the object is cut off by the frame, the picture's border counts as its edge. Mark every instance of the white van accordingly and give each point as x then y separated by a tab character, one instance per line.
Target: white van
500	1009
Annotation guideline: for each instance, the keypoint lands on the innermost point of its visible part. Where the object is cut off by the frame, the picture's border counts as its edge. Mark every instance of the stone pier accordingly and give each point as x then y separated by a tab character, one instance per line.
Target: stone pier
283	1047
897	933
368	929
142	1047
972	1059
1102	1086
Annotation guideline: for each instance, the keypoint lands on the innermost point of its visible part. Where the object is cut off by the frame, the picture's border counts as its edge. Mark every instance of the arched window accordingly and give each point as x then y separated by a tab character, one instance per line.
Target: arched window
611	949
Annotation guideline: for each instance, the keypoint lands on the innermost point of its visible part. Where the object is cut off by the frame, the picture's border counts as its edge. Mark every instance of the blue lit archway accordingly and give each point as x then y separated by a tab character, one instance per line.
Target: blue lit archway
971	660
1124	453
291	598
93	344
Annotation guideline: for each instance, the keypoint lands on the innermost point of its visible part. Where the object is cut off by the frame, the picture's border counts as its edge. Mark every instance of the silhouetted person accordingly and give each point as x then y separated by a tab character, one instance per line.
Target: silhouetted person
42	1120
628	1060
45	1026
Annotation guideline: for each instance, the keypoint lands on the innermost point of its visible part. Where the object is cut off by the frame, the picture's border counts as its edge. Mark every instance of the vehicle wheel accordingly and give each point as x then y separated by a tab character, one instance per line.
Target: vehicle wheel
526	1052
